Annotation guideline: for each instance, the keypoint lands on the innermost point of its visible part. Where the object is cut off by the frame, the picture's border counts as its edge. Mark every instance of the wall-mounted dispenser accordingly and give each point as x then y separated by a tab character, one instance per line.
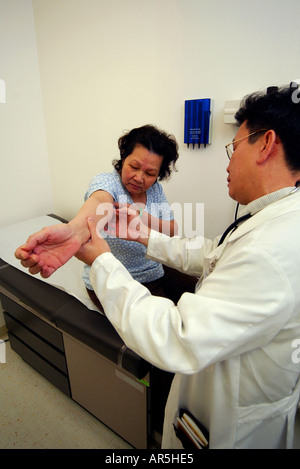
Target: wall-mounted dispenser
197	122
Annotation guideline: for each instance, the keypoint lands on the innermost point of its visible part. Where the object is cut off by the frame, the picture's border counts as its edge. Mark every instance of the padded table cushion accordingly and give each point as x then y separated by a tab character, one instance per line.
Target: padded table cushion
72	317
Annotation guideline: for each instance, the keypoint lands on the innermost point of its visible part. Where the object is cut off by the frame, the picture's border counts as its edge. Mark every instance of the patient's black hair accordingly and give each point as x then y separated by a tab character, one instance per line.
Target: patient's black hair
156	141
278	110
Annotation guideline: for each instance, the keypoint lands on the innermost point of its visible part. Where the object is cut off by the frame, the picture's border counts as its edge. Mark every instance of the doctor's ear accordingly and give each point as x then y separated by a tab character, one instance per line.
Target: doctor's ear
268	144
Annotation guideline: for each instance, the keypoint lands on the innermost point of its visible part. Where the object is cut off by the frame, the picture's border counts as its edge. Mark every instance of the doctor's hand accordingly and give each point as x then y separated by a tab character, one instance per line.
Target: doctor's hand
129	225
48	249
95	246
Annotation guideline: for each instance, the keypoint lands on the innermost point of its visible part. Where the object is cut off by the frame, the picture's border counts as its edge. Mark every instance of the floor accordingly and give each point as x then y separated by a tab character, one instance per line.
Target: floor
36	415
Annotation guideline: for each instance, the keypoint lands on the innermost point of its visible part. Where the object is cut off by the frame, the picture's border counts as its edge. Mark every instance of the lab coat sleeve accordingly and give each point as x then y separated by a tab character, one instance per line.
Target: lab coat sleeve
228	316
185	255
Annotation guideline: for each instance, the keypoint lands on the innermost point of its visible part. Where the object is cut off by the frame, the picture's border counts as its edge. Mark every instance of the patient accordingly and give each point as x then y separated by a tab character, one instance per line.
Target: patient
146	156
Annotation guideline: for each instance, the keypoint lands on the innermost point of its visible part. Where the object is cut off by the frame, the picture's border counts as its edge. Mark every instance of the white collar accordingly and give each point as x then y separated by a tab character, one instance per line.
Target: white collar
258	204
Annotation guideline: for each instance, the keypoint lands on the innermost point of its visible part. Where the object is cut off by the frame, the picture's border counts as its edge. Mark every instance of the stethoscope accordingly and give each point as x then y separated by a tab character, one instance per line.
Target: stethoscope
239	220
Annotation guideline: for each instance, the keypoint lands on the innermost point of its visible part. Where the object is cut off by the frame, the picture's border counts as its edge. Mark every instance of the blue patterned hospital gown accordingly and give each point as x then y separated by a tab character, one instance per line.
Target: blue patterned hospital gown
130	253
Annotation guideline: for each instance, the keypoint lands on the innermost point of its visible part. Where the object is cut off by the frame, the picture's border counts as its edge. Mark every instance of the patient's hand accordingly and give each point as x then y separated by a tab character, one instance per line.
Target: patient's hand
48	249
95	246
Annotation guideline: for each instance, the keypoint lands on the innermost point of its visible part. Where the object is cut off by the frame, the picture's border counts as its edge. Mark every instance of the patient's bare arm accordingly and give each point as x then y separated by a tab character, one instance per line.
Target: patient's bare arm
47	250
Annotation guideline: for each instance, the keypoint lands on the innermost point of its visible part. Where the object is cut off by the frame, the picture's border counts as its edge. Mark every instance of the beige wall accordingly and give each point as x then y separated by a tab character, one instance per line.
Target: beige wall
25	179
25	189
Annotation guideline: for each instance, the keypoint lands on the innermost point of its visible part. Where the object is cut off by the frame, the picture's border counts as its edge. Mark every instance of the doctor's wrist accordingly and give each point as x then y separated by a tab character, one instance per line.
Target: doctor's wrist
144	234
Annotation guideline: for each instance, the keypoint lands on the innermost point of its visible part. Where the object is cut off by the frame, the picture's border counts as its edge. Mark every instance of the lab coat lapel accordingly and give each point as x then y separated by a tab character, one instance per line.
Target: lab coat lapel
274	210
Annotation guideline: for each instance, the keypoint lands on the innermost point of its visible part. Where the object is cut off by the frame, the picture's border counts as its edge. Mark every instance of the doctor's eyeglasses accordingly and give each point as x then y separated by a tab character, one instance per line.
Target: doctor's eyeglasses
229	147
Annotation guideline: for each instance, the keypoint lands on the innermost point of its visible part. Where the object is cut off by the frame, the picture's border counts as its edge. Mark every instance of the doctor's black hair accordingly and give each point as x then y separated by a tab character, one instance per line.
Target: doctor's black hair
277	109
156	141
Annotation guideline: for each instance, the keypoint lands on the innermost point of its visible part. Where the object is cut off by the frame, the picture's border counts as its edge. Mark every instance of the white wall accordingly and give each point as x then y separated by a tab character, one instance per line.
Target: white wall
25	180
111	65
25	189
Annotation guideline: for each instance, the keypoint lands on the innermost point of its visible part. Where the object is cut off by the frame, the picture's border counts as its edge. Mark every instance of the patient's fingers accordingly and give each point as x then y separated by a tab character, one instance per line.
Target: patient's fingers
35	269
21	254
26	249
46	272
29	261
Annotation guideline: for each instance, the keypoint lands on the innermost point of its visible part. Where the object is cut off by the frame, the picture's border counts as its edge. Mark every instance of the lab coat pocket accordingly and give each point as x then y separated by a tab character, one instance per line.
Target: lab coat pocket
189	431
267	426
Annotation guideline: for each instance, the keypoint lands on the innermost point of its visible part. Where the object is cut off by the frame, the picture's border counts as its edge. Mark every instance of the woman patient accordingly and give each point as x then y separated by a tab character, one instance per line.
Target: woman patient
147	155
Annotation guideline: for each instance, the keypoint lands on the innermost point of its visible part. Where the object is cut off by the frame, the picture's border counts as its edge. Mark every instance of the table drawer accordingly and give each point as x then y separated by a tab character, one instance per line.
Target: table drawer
34	323
52	374
35	342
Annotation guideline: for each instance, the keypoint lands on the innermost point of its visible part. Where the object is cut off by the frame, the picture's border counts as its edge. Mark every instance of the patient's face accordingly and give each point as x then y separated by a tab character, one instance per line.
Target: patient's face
140	170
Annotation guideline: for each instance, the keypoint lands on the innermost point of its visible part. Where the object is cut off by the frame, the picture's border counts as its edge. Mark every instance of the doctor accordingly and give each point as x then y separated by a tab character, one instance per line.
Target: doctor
231	343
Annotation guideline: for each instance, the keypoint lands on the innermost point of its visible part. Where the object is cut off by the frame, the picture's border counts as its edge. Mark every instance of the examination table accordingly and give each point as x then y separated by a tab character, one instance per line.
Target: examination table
54	327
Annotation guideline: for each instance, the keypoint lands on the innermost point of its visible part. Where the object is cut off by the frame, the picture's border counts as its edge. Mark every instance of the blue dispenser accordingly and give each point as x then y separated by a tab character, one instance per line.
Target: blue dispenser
197	122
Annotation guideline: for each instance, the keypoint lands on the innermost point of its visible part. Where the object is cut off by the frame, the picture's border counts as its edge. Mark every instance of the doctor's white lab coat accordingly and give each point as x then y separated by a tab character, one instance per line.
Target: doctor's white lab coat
232	344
